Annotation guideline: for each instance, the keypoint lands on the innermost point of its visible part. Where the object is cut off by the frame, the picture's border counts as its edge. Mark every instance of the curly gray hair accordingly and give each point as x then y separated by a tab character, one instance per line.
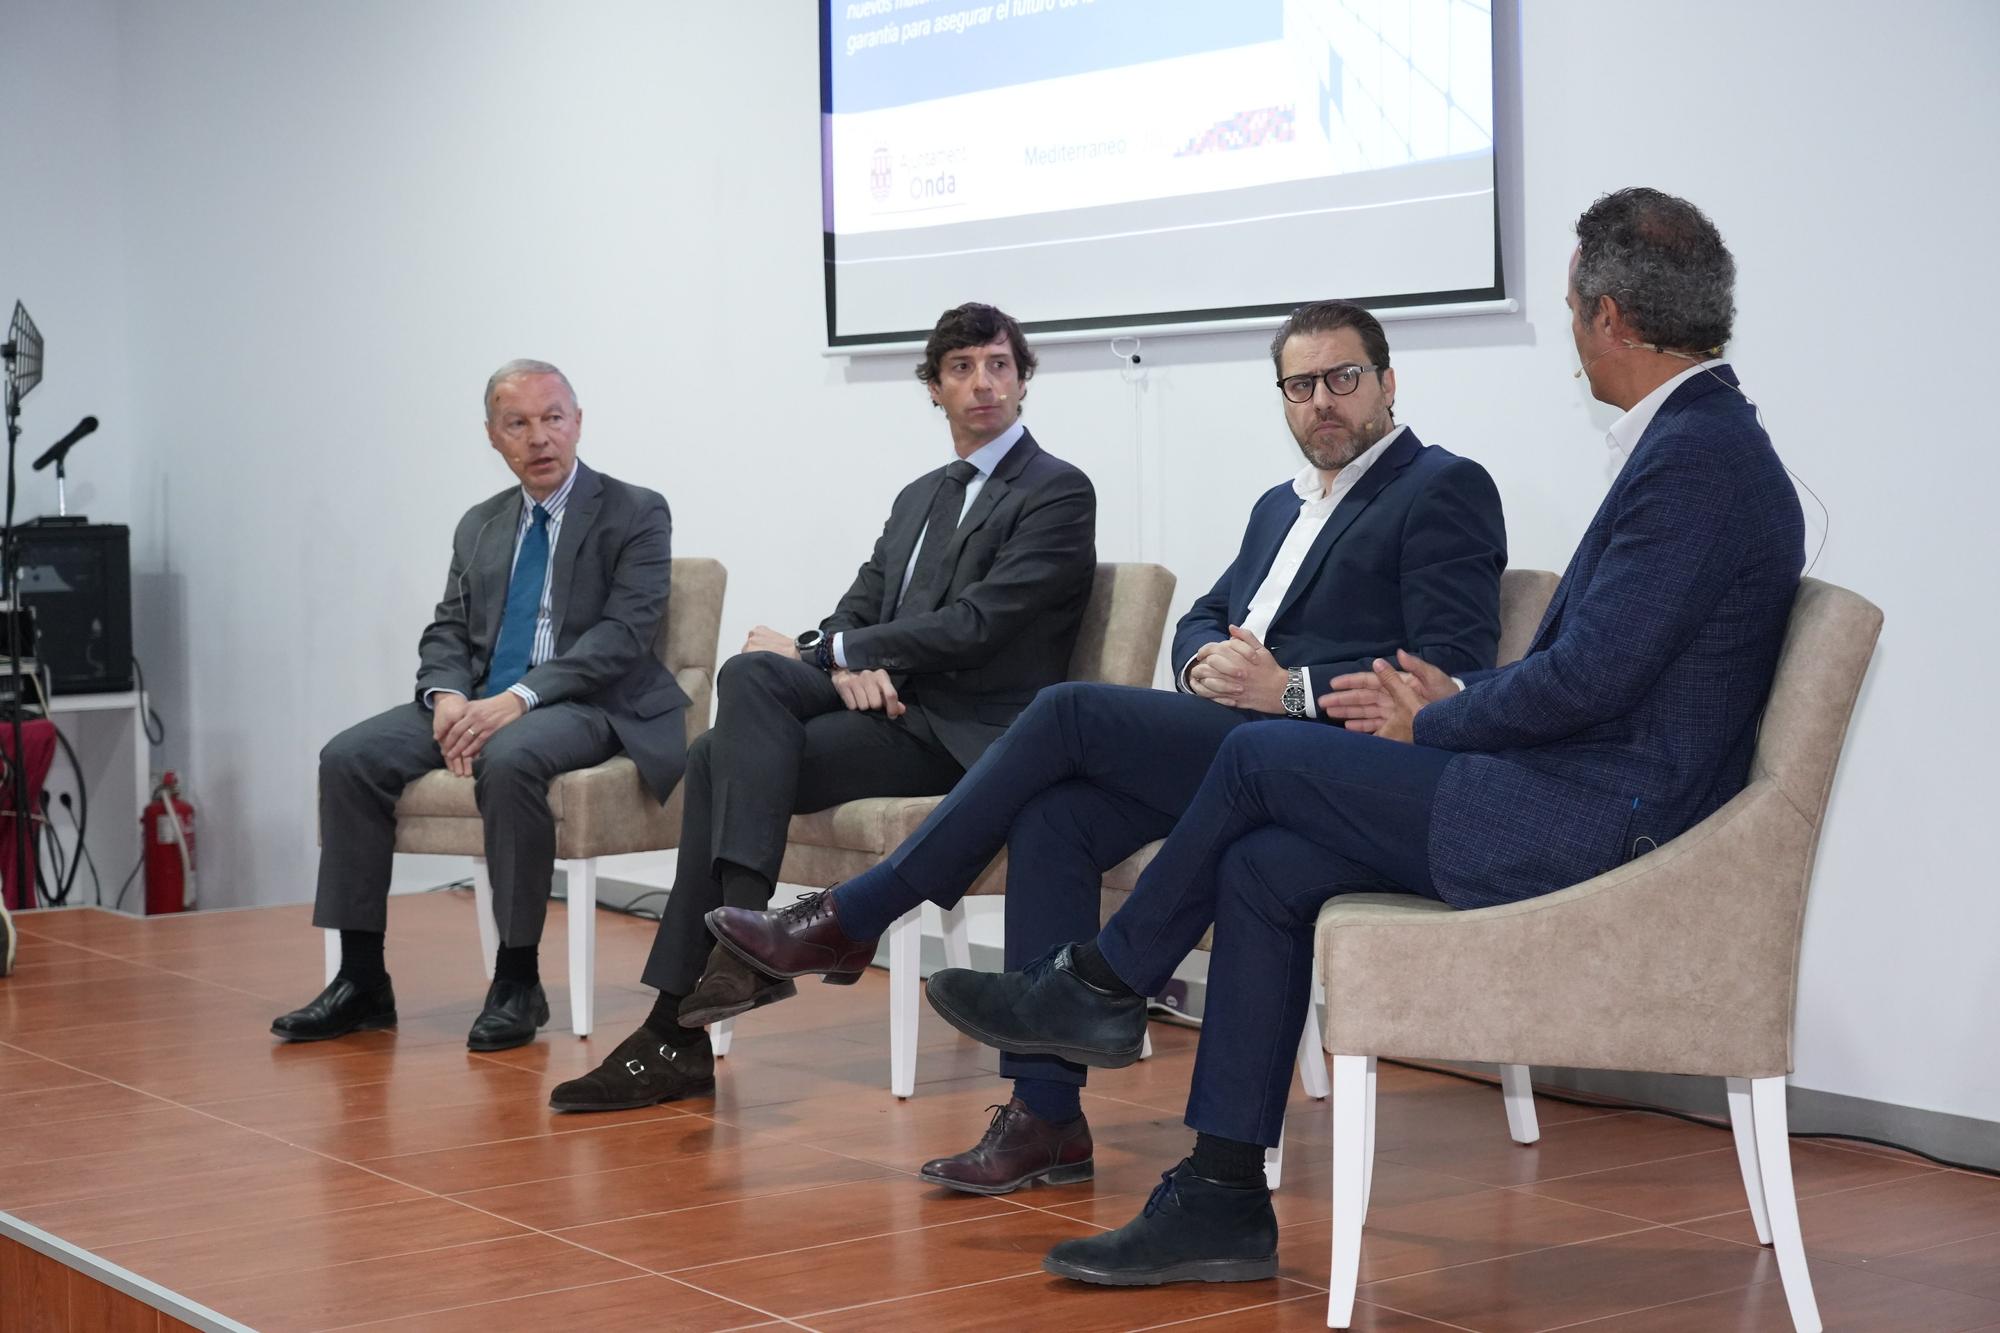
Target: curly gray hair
1663	263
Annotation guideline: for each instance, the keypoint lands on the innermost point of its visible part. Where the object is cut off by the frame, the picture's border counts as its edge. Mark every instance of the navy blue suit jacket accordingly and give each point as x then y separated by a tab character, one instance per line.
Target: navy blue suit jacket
1410	558
1634	713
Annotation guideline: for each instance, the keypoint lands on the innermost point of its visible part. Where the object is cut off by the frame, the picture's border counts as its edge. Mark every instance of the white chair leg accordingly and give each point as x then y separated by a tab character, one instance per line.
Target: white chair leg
482	911
332	954
1368	1143
1743	1125
582	877
906	940
1312	1056
1774	1172
1274	1161
720	1034
957	939
1519	1094
1349	1106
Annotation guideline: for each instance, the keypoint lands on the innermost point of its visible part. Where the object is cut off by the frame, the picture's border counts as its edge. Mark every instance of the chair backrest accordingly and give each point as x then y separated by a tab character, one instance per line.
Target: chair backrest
1828	645
1524	595
1119	641
688	641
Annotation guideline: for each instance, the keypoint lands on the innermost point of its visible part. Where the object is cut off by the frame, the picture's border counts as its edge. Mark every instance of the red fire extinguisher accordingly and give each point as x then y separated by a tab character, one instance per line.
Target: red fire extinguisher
167	828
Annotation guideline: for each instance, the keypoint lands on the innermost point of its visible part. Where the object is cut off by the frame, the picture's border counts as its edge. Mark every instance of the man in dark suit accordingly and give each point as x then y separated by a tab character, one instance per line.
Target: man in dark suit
539	660
970	603
1632	716
1379	541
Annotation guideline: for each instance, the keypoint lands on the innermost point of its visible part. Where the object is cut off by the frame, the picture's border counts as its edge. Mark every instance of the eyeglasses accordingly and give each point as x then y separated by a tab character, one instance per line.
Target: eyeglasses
1340	381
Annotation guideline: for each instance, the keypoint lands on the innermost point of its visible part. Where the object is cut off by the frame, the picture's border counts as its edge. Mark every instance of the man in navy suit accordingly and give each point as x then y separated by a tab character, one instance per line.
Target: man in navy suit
1378	542
1632	717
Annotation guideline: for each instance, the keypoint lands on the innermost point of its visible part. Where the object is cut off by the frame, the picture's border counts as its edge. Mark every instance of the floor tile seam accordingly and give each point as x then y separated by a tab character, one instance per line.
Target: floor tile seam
565	1175
1705	1217
1501	1258
1664	1305
821	1245
1530	1192
456	1147
501	1300
521	1232
1575	1175
1238	1310
1834	1194
154	1240
435	1249
565	1134
683	1274
724	1203
916	1295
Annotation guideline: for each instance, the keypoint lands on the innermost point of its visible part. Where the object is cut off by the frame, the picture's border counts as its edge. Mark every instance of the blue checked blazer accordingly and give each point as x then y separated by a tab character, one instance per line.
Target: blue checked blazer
1634	713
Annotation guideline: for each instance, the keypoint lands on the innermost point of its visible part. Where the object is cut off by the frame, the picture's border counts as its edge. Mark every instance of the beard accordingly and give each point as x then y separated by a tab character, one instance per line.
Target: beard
1331	455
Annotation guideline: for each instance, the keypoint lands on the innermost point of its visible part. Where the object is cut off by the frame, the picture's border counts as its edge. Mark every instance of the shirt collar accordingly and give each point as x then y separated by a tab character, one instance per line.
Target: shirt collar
1306	485
988	455
554	504
1623	437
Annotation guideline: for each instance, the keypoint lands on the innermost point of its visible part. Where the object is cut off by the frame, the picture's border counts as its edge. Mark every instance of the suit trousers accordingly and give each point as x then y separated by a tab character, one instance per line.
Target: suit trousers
784	742
364	769
1086	776
1287	817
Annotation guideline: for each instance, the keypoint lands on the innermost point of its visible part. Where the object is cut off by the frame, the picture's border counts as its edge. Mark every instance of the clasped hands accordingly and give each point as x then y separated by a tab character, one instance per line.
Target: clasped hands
462	726
864	691
1384	701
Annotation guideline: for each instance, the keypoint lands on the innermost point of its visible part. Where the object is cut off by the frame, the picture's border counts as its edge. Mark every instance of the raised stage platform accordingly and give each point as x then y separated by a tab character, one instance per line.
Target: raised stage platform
164	1163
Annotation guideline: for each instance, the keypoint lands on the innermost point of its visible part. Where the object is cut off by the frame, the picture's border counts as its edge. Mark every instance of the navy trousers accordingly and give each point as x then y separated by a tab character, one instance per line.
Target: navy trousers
1288	816
1084	777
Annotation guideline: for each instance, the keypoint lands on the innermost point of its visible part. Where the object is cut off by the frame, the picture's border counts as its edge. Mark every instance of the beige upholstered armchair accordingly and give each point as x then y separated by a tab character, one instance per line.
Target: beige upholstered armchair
600	811
1118	645
1683	961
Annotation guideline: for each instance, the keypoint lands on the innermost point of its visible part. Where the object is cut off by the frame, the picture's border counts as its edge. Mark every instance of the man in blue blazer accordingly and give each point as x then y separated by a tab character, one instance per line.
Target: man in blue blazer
1632	717
1378	541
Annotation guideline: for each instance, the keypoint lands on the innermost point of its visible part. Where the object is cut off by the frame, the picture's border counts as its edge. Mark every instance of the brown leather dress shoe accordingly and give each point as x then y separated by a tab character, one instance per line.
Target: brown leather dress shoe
1019	1148
795	941
729	987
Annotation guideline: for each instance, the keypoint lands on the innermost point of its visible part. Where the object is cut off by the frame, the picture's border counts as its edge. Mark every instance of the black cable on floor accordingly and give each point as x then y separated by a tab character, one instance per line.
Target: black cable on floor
1706	1122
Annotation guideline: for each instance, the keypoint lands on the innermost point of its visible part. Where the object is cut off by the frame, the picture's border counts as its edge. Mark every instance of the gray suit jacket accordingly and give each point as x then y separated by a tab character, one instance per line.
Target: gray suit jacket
607	598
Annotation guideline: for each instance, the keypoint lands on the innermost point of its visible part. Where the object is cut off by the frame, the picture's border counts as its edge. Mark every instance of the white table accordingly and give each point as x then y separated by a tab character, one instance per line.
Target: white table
108	733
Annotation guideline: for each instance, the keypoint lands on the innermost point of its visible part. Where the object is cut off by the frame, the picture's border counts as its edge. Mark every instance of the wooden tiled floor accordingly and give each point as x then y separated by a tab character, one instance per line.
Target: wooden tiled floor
397	1181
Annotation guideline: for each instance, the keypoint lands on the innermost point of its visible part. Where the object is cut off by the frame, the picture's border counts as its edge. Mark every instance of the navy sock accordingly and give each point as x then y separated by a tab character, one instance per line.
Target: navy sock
867	905
518	963
1059	1103
1228	1161
361	958
1087	961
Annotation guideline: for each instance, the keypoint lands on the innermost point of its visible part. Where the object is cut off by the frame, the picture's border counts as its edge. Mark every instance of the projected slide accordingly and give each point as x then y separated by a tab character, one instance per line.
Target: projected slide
1134	161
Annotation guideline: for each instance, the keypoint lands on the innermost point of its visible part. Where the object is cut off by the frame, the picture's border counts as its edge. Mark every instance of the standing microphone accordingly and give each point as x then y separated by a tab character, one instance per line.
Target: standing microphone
54	453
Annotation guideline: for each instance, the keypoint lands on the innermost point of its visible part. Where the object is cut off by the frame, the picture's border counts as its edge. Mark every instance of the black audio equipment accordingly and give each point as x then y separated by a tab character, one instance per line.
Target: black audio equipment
78	580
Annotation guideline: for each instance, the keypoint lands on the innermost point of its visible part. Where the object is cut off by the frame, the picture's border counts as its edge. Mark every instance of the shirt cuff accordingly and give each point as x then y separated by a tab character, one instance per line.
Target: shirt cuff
1312	702
1461	684
839	652
1181	677
432	694
526	695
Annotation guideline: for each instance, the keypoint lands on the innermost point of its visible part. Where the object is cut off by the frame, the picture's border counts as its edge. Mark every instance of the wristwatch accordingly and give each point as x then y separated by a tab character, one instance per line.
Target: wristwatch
1294	697
815	649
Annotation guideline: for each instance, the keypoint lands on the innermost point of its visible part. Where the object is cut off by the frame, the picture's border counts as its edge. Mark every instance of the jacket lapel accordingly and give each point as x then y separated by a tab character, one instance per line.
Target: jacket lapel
585	498
492	562
1372	483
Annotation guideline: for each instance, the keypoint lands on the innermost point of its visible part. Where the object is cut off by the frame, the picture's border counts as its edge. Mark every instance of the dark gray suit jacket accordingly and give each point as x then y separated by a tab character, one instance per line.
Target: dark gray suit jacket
607	598
1022	561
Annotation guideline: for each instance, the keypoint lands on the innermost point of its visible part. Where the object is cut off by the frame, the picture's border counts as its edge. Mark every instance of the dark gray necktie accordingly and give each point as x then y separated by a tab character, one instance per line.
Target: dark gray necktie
930	578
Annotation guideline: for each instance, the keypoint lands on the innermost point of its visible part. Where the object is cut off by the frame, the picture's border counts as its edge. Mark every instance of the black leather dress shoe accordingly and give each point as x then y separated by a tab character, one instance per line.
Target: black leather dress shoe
510	1018
1046	1009
642	1071
800	939
1018	1149
338	1010
1191	1230
728	987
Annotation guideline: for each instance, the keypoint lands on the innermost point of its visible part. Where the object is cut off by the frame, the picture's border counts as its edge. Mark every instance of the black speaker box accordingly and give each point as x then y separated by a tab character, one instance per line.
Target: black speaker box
78	580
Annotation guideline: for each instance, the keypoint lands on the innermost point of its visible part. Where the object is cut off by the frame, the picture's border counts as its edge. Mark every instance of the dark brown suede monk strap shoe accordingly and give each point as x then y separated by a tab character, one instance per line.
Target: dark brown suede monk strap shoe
795	941
341	1008
643	1070
728	987
1019	1148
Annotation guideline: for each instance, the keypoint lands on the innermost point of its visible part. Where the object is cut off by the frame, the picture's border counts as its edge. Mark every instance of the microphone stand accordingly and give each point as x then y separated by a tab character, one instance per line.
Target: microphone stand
10	596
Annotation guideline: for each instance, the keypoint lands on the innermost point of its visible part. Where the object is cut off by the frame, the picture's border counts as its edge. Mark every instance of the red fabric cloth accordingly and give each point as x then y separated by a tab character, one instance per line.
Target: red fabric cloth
38	738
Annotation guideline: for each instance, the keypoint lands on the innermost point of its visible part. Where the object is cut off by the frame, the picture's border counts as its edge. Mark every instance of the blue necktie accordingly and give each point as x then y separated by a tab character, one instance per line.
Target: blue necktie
524	607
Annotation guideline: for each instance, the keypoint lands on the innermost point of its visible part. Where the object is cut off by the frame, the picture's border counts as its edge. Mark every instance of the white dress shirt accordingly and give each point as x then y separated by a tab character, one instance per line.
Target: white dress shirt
1624	434
986	458
1317	501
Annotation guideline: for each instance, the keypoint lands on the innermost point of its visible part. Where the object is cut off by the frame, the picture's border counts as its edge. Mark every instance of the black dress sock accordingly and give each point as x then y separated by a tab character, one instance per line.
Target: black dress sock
665	1022
1228	1161
1087	962
361	958
518	963
742	886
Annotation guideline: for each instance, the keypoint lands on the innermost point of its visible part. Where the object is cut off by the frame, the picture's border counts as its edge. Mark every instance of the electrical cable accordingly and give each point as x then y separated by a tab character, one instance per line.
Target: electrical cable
96	883
118	903
632	908
149	717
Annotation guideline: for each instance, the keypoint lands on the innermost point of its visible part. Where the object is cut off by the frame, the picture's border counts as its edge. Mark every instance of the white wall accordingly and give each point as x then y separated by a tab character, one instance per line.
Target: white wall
323	225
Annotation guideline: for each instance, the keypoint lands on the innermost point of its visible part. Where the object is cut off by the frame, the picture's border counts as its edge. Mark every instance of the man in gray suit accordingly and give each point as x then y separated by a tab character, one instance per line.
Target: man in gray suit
539	660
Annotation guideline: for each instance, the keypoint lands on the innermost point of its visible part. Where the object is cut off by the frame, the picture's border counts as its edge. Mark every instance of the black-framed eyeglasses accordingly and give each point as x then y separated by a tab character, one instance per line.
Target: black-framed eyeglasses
1340	381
